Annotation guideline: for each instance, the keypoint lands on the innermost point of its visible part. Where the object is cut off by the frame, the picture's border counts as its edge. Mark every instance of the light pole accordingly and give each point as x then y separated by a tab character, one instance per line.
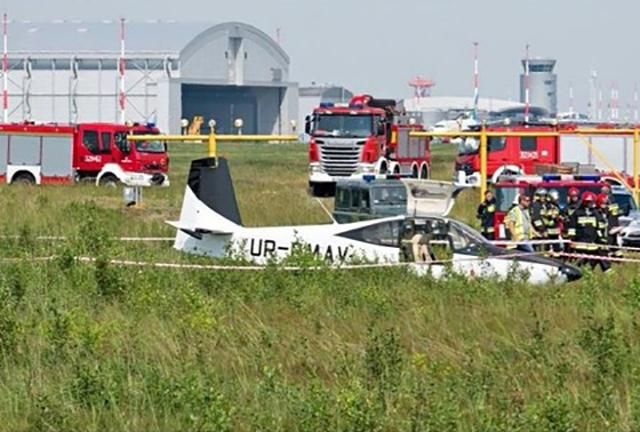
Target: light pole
238	123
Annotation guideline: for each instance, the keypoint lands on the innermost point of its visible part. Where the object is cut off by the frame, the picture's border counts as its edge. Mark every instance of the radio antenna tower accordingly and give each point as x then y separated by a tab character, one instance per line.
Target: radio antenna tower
593	95
571	98
121	70
421	87
5	69
635	103
476	81
527	101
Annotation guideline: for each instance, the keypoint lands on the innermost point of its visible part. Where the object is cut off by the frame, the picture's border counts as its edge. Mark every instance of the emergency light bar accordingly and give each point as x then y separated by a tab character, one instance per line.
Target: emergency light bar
371	177
570	177
588	177
326	105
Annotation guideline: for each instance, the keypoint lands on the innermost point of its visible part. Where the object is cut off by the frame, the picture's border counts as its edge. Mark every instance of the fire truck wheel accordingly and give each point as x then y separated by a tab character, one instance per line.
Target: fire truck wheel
24	178
414	171
109	180
424	172
384	169
396	169
321	190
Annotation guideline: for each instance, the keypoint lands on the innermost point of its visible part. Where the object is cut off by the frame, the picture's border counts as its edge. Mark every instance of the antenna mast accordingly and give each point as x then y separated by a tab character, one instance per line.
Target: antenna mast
121	70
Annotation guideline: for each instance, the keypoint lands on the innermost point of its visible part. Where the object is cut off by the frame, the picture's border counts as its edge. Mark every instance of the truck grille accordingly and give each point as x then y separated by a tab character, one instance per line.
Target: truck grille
338	158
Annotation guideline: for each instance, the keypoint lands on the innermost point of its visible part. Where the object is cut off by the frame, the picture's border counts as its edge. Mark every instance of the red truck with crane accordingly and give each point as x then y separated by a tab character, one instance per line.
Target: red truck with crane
531	154
51	153
365	136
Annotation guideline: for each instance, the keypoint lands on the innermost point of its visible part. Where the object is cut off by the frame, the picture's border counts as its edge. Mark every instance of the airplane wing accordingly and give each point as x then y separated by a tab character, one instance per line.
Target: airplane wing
196	231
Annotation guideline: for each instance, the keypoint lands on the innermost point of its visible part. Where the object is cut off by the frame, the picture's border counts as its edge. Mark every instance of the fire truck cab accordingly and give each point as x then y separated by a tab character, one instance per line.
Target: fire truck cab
366	136
506	155
54	153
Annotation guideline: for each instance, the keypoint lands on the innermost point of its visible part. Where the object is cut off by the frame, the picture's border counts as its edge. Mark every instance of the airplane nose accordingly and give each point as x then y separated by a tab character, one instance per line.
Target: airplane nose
572	273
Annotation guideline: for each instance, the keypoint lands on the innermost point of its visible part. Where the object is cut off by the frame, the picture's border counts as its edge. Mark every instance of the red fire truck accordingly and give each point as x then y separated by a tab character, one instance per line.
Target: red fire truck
365	136
524	155
55	153
508	188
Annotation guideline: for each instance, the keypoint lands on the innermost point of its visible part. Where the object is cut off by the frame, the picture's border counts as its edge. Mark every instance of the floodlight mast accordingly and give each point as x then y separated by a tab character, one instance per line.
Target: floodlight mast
121	70
5	68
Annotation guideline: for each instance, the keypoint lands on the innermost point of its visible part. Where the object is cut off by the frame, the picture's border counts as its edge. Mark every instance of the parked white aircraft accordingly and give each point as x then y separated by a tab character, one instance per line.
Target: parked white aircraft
210	225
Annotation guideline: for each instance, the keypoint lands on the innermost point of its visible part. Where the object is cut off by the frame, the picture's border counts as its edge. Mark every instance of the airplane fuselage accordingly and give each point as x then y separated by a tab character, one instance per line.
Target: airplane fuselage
259	245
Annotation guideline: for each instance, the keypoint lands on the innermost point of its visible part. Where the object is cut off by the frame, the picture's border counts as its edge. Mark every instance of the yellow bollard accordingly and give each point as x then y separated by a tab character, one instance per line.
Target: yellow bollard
483	161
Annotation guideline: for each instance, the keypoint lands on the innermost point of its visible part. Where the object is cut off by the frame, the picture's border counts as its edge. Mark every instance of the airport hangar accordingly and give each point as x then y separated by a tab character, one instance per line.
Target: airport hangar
68	71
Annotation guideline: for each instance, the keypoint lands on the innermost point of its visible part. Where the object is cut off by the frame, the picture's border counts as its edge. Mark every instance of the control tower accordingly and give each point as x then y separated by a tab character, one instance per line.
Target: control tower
543	84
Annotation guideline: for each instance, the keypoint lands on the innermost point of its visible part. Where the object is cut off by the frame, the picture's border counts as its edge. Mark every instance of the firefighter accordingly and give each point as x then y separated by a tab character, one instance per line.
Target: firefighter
613	206
585	230
611	215
573	204
537	214
518	223
552	220
486	213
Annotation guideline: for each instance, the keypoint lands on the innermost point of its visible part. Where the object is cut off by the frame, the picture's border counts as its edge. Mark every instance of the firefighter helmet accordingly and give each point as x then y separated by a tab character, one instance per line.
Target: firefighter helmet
602	199
574	192
554	195
588	197
541	192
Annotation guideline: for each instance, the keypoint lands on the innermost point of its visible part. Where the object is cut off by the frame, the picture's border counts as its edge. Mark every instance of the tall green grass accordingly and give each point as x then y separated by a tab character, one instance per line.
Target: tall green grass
92	346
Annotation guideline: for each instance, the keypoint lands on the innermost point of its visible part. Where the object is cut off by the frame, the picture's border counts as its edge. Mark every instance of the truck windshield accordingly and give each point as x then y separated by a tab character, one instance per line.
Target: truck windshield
153	146
347	126
469	145
392	196
625	202
150	146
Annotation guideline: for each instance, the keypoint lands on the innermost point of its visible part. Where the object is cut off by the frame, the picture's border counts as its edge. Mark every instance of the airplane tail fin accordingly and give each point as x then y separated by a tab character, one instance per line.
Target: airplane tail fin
209	205
211	183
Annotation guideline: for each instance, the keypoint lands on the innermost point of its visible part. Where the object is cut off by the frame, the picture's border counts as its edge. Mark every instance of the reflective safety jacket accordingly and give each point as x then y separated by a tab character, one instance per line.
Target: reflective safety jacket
613	215
585	229
522	224
552	219
603	225
567	212
613	207
537	214
487	213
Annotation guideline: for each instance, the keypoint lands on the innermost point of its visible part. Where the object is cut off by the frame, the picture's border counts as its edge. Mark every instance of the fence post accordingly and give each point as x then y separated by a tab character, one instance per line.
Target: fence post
483	161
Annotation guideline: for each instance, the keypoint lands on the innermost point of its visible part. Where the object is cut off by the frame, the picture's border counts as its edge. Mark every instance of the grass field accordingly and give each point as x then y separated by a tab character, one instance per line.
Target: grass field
93	347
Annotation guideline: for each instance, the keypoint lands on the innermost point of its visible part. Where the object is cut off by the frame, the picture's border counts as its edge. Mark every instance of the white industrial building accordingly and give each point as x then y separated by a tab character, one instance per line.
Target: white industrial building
68	71
311	96
437	108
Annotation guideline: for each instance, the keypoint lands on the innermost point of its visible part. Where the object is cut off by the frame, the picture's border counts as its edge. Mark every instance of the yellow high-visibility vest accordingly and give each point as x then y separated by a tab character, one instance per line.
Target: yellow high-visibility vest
515	215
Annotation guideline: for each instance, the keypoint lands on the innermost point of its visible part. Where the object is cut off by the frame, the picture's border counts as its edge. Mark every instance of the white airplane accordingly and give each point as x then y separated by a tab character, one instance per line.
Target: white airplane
210	225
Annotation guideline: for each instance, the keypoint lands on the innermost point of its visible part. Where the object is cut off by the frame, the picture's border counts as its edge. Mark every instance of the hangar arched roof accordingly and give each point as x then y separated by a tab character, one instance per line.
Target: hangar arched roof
78	37
236	30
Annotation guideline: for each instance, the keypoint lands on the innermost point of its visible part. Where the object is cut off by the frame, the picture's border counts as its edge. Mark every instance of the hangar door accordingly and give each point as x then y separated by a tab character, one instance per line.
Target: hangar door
222	103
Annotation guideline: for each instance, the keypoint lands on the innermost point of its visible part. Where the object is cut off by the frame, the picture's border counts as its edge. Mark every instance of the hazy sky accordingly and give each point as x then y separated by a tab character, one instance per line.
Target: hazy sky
376	46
